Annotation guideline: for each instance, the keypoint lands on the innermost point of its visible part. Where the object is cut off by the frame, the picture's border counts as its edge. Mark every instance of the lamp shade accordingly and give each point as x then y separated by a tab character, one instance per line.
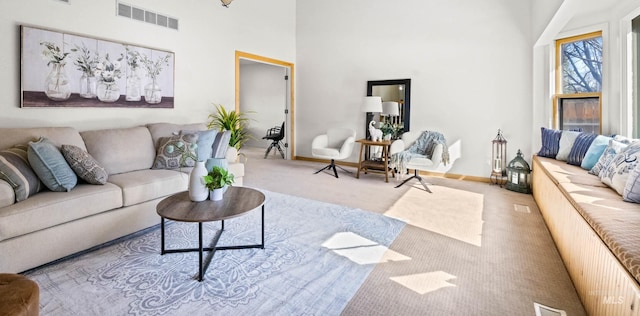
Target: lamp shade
371	104
390	108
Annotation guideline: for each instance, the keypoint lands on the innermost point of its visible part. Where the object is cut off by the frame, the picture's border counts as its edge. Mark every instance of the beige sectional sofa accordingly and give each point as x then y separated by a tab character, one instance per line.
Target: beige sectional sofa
51	225
596	233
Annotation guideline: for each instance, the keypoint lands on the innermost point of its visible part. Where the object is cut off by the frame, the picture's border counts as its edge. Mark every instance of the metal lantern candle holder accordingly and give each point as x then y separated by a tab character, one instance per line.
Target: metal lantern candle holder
518	175
498	159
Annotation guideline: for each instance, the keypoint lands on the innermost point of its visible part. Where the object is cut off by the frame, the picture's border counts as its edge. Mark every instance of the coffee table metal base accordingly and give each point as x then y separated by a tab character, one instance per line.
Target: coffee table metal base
204	264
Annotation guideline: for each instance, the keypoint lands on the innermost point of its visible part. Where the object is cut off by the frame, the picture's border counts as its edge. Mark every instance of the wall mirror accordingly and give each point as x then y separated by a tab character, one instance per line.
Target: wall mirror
397	90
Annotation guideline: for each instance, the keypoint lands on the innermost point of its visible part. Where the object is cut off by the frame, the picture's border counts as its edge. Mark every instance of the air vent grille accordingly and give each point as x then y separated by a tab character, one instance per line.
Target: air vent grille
128	11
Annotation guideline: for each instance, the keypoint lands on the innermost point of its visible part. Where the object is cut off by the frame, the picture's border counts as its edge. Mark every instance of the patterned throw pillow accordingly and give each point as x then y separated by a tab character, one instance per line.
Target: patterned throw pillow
617	172
15	169
611	151
84	165
50	166
566	143
580	147
594	152
176	151
632	187
550	142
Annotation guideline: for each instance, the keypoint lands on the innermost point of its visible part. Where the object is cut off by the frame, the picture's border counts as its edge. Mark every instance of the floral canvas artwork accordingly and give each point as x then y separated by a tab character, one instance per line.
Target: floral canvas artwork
67	70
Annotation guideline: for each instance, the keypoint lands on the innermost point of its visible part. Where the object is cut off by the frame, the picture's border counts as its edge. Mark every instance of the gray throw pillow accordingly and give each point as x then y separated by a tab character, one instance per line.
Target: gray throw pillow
50	166
205	142
15	169
84	165
221	144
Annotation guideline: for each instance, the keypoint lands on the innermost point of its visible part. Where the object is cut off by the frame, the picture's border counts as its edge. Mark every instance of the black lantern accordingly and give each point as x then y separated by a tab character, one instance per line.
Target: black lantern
498	159
518	174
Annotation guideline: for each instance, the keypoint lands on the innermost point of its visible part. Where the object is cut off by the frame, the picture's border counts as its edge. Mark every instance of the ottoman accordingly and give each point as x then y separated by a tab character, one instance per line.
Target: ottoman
18	295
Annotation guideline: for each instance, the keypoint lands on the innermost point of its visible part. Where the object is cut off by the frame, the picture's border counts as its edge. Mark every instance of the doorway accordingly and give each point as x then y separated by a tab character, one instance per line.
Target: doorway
265	87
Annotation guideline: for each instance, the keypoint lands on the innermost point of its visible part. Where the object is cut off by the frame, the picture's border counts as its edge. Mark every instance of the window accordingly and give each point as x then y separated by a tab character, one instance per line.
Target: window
577	101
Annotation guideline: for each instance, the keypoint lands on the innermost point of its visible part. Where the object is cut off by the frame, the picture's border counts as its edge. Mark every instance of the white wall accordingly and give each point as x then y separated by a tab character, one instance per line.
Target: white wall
263	92
204	53
469	62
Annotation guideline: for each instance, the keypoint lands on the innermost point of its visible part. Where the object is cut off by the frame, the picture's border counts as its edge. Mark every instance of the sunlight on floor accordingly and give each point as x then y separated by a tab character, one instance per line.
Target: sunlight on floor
425	282
361	250
451	212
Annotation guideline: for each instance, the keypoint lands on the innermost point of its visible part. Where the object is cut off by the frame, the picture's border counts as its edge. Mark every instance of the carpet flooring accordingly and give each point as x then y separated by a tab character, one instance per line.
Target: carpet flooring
469	248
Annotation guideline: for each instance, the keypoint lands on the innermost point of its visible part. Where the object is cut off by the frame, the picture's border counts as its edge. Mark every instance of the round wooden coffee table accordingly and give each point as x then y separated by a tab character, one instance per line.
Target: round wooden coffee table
236	202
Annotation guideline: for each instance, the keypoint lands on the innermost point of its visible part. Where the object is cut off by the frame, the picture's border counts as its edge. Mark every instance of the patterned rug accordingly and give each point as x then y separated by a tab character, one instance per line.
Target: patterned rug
316	256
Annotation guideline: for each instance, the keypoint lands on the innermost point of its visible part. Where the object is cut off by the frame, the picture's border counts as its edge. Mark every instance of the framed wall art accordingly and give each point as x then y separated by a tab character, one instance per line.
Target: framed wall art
68	70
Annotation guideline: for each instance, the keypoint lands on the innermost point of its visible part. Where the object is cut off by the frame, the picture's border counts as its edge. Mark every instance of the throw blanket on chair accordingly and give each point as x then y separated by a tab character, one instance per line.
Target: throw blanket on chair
423	146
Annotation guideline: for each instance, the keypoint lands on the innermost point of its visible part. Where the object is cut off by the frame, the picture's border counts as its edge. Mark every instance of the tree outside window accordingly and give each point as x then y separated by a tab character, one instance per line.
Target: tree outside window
578	95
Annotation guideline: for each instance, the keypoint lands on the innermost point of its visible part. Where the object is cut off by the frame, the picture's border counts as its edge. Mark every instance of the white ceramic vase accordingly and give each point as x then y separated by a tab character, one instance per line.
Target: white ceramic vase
197	190
216	194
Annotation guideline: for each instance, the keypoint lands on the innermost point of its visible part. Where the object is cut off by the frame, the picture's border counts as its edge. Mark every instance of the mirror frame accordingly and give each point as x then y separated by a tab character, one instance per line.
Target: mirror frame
407	98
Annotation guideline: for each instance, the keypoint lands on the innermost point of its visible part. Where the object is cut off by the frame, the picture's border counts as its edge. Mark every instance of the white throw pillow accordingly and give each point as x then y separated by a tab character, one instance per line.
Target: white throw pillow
617	172
566	143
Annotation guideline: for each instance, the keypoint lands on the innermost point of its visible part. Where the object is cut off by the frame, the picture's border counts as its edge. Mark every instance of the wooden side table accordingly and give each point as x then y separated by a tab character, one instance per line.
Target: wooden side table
367	165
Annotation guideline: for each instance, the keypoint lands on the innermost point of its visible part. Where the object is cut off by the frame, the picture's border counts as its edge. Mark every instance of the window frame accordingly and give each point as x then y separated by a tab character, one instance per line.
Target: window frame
558	95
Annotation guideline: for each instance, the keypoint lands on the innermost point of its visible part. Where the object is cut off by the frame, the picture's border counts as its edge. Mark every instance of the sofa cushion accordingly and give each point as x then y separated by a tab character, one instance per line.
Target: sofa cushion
594	152
580	147
15	170
50	166
47	209
87	168
7	195
550	142
145	185
567	140
121	150
176	152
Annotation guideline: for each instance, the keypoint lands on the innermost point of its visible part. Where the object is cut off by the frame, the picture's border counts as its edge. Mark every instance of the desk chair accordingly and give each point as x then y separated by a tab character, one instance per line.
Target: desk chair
275	134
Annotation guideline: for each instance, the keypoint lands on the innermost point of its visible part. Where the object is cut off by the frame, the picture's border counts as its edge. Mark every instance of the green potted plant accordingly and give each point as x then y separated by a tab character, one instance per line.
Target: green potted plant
216	180
234	121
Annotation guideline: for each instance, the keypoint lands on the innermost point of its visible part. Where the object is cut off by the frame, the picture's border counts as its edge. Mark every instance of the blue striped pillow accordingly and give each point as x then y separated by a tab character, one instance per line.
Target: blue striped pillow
550	142
580	147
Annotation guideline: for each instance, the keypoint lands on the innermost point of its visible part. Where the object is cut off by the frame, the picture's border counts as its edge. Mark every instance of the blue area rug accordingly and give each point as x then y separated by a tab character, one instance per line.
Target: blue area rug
296	273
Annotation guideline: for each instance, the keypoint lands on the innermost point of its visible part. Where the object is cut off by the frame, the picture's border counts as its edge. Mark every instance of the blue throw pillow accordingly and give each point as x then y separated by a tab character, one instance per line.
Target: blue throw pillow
205	142
594	152
49	164
580	147
550	142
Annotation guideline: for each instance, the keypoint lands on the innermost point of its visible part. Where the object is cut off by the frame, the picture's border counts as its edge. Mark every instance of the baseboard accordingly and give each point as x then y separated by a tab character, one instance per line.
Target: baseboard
425	173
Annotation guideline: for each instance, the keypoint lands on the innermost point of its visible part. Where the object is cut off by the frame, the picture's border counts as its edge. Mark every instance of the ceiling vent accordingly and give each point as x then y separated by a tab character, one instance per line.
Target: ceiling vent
131	12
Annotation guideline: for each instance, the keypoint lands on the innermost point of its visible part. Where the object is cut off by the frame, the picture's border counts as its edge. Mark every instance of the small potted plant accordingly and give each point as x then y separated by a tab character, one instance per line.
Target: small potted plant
216	180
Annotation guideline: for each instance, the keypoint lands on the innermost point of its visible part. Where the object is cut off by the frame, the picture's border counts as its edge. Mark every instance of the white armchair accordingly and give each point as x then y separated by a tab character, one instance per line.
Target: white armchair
337	143
418	161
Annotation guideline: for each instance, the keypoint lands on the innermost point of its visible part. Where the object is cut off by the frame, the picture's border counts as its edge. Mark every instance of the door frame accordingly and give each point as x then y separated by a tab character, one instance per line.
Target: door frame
291	114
